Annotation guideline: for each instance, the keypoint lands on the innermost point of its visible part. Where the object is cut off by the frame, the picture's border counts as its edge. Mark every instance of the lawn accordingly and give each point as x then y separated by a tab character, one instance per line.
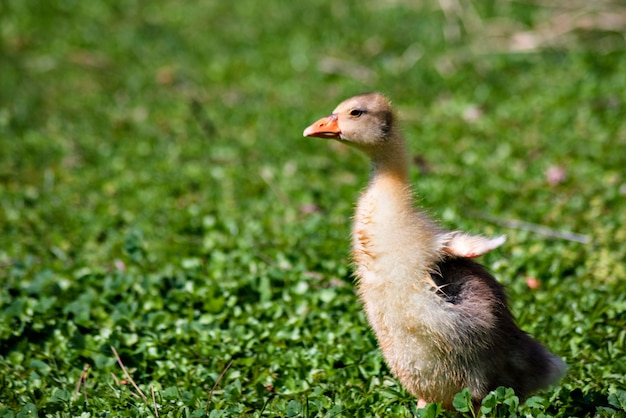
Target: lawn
170	244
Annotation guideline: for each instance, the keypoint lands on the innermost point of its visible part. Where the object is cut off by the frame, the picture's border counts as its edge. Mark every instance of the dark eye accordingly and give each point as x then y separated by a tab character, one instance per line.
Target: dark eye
355	113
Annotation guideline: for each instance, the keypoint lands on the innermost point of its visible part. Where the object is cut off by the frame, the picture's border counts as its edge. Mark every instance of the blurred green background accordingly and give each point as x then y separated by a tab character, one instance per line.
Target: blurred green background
157	196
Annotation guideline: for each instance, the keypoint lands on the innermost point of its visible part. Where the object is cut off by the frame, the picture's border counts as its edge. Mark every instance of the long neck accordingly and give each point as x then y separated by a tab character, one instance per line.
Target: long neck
390	161
388	193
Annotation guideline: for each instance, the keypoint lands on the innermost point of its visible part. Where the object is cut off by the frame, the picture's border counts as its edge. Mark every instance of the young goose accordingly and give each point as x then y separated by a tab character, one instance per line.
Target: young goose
441	320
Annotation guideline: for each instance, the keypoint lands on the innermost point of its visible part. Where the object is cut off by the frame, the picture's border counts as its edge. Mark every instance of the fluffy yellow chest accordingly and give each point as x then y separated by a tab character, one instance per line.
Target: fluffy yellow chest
390	238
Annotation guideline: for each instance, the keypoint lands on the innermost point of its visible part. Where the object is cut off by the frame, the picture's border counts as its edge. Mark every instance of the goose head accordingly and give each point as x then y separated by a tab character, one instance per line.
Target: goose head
366	121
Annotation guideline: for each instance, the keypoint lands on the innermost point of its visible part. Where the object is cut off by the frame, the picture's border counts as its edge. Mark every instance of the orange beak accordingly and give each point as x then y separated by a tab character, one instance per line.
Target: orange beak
327	127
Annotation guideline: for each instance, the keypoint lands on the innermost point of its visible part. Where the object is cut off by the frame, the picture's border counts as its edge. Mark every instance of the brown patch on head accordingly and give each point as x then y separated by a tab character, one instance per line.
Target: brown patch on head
386	117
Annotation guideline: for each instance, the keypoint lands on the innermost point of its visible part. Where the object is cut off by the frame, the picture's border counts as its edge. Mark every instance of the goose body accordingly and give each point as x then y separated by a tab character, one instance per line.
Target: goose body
441	320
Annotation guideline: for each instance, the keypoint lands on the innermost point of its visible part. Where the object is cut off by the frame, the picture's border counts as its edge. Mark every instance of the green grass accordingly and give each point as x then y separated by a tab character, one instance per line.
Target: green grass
156	196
